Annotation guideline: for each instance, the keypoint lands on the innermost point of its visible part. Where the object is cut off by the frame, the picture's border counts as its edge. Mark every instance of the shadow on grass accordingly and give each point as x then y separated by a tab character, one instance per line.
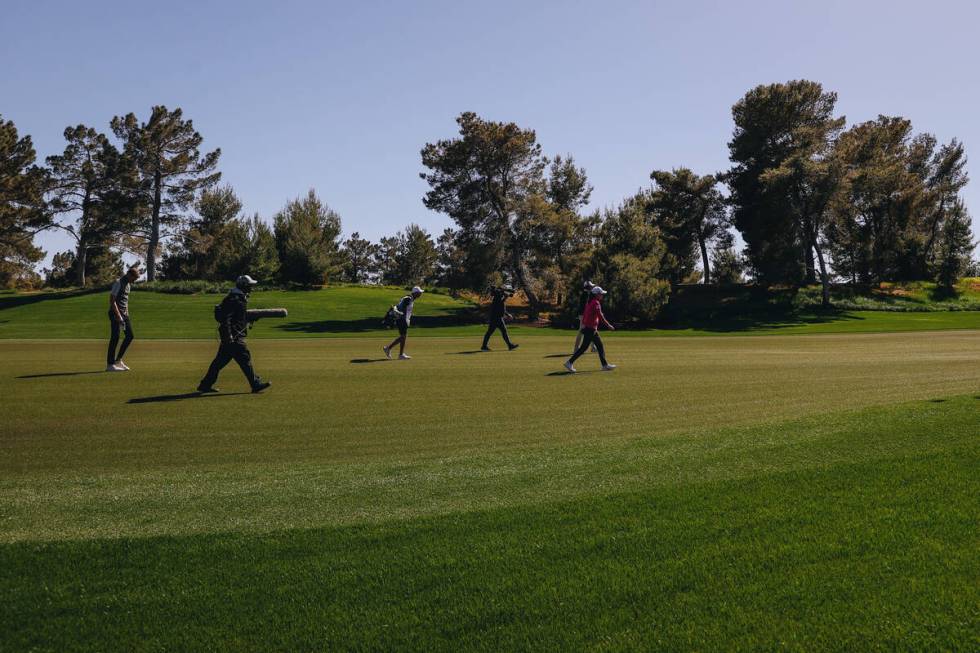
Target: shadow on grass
360	361
42	376
567	373
558	355
186	395
467	353
457	317
748	322
13	301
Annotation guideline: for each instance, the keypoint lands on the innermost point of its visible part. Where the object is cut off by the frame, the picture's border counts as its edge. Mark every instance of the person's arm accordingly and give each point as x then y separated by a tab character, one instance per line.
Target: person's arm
113	306
602	318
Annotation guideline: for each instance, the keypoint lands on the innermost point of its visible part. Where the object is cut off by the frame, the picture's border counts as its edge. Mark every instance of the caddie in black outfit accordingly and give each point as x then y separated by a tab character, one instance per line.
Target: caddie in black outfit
498	315
233	327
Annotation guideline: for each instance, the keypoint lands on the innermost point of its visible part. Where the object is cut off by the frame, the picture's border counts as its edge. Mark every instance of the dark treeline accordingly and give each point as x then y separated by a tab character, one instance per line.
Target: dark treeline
813	201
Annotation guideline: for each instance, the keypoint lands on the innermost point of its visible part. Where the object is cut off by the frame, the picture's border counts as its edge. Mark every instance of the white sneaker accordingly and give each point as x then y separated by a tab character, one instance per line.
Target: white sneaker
568	366
386	351
122	366
403	357
608	367
113	368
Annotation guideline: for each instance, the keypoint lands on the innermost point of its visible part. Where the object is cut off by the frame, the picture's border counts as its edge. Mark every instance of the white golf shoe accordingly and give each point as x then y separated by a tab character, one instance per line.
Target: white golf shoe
404	357
387	352
113	368
568	366
122	365
608	367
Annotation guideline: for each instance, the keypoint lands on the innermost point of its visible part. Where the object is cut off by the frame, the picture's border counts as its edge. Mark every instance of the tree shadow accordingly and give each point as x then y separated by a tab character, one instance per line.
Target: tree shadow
360	361
186	395
466	353
14	301
457	317
42	376
749	322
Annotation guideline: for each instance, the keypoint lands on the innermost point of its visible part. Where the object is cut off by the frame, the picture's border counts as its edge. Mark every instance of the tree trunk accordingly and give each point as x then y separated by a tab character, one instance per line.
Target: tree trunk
151	249
808	247
524	281
704	260
81	259
81	255
824	279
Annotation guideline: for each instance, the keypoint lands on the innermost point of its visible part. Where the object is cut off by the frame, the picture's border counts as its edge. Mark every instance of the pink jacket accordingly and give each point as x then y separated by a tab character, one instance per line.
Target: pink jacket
593	314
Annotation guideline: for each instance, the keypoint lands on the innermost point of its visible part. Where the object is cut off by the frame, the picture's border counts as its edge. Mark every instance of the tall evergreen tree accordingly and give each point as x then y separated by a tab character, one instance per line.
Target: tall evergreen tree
690	212
778	128
91	184
359	256
409	257
954	247
166	150
23	208
206	247
491	182
877	222
307	238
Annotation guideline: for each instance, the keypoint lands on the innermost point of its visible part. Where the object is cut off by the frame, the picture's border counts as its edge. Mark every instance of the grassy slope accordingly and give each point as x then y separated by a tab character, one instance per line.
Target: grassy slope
357	311
793	505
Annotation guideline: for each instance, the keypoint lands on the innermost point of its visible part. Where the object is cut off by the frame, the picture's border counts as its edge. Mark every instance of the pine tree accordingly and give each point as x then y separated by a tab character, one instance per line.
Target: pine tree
172	171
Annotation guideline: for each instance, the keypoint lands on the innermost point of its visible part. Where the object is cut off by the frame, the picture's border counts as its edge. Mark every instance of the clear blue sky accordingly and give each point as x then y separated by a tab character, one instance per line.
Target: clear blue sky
341	96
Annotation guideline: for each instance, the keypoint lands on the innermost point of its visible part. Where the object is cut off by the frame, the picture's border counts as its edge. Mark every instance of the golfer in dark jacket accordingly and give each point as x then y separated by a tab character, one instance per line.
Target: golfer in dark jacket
119	320
498	315
233	329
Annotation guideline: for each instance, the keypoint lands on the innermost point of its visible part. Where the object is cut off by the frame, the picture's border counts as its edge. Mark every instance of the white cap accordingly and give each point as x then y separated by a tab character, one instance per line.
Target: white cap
245	280
597	290
417	291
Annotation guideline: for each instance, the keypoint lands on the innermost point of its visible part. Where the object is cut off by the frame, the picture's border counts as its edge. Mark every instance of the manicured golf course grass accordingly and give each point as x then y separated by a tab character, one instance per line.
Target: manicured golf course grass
808	493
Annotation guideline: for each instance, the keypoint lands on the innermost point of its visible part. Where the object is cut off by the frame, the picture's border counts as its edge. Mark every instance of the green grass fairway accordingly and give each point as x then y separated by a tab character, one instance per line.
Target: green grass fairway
346	311
764	493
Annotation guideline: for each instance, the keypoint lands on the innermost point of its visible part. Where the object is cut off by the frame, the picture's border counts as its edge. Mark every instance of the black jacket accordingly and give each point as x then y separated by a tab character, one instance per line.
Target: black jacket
234	327
497	306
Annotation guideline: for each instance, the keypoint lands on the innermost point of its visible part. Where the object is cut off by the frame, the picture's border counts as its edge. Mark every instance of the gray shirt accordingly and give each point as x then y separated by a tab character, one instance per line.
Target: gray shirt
120	293
405	307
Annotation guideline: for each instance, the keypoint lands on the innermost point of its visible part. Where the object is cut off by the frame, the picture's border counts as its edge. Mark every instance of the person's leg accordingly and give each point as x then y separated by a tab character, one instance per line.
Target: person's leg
114	327
128	339
243	357
220	360
578	336
503	331
401	347
597	342
587	335
491	327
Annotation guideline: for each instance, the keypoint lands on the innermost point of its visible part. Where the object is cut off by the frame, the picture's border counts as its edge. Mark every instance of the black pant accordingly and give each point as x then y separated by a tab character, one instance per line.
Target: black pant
497	323
228	351
115	326
589	337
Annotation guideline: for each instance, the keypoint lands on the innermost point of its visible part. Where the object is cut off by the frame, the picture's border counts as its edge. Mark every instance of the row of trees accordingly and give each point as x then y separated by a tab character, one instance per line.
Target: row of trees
130	193
874	203
810	199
